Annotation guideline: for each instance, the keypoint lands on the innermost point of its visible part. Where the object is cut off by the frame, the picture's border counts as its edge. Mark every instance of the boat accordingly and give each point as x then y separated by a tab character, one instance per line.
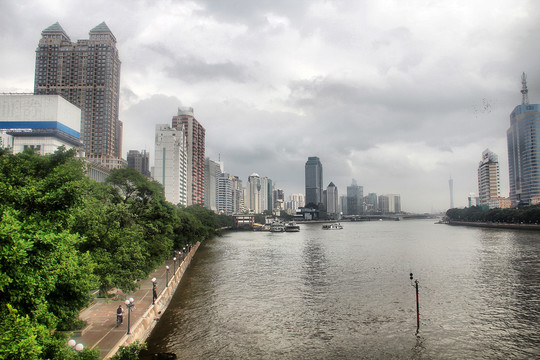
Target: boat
333	226
277	226
292	227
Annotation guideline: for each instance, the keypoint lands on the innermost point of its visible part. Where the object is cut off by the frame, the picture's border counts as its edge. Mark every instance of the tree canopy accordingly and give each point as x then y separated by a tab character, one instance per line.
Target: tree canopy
63	235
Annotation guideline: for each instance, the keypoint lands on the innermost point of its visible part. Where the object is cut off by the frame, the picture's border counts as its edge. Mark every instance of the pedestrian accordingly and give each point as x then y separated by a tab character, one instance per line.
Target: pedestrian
119	315
154	292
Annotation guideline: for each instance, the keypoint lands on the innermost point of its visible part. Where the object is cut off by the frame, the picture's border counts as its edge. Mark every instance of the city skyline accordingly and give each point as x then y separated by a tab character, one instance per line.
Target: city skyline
396	102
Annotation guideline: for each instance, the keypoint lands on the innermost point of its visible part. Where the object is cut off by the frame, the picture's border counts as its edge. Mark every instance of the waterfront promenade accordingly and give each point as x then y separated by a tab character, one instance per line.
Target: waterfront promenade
101	331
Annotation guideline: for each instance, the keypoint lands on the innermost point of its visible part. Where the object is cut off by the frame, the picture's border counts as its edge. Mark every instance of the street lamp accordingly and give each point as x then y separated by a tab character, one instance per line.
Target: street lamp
167	276
174	261
154	290
73	344
130	303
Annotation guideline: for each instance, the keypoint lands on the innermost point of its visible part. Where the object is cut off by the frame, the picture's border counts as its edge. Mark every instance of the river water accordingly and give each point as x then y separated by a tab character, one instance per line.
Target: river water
346	294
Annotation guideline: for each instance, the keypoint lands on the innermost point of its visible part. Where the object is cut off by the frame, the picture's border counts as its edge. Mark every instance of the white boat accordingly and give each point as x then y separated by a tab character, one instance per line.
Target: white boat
333	226
277	226
292	227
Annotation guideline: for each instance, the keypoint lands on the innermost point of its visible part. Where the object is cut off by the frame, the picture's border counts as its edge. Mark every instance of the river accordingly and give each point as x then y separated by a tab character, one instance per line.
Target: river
346	294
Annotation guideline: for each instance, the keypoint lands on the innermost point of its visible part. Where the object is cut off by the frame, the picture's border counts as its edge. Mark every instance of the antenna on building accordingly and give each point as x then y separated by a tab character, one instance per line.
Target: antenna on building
524	90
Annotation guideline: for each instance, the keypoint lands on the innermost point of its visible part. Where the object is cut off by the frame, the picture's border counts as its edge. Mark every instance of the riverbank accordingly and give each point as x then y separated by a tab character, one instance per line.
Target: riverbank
101	331
496	225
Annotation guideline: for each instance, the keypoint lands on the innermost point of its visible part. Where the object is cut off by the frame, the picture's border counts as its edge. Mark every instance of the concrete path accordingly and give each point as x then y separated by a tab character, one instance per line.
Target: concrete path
101	330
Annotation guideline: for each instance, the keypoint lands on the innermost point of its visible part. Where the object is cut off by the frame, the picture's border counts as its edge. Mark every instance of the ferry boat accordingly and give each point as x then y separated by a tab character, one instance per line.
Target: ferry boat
277	226
292	227
333	226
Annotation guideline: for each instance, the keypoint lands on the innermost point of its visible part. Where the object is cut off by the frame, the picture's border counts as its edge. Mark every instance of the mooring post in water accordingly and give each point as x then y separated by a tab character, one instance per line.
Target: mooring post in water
417	303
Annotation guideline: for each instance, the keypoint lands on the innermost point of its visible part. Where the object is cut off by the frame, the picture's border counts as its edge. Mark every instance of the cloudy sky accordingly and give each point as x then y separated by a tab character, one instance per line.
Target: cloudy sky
400	95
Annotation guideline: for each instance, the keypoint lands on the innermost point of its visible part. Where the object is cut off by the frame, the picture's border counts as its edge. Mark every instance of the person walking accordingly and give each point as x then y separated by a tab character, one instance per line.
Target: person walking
119	315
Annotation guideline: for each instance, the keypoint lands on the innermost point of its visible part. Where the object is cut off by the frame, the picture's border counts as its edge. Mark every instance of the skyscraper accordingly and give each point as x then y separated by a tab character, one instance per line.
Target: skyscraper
355	199
170	163
523	138
212	170
140	161
253	194
195	139
314	181
332	199
488	177
87	74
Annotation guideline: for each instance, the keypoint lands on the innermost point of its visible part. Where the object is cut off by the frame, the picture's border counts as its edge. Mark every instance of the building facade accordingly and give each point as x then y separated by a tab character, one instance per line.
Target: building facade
355	199
87	74
140	161
332	199
253	194
195	138
523	139
170	163
212	171
488	177
224	200
41	122
313	181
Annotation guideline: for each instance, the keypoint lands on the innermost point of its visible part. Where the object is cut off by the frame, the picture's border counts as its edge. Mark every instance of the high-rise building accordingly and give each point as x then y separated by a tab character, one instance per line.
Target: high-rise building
390	203
332	198
237	195
523	138
195	138
140	161
87	74
488	177
371	203
314	181
212	171
355	199
170	163
253	194
224	194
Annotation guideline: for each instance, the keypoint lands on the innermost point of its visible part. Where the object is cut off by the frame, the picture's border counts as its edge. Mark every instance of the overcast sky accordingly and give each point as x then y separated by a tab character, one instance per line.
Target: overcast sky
400	95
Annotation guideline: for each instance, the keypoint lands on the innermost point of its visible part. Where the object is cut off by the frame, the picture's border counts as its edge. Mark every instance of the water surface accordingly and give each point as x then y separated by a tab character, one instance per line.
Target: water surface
346	294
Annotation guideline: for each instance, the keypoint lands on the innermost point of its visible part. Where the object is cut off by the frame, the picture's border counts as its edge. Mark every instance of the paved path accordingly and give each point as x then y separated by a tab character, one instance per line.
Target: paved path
101	330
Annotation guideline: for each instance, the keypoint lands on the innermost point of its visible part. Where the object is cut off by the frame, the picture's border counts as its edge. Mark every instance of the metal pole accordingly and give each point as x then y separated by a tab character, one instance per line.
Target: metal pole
417	308
129	318
417	303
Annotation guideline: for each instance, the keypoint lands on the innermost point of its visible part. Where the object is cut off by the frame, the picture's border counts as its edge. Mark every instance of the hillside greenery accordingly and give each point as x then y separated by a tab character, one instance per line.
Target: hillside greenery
62	236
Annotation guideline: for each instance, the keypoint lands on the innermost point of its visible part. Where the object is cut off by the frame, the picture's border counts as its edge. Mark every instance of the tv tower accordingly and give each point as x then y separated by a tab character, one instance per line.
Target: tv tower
524	90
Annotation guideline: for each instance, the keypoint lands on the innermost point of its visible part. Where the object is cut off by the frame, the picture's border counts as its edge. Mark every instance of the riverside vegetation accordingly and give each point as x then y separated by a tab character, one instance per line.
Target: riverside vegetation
520	215
64	236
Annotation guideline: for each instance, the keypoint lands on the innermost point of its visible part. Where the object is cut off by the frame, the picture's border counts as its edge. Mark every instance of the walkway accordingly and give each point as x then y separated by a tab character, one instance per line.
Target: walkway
101	331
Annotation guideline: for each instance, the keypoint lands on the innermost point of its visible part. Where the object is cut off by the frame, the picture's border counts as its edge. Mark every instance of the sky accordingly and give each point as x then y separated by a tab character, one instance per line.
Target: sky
400	95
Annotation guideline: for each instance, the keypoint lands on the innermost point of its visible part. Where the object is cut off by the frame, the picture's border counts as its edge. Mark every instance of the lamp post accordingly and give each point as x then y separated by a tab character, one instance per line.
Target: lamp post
73	344
174	261
154	291
167	276
417	303
130	303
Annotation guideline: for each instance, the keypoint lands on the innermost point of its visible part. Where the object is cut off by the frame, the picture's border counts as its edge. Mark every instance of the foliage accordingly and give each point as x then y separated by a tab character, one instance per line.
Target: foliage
525	215
62	235
129	352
